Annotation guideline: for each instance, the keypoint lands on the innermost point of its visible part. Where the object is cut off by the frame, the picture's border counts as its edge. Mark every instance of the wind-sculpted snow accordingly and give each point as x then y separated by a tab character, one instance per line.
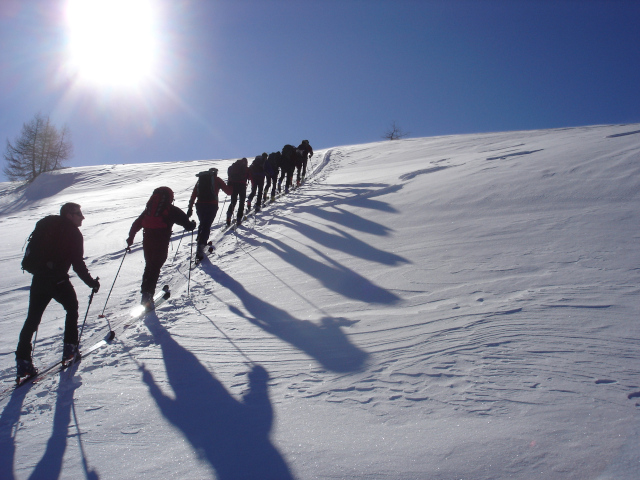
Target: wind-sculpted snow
448	307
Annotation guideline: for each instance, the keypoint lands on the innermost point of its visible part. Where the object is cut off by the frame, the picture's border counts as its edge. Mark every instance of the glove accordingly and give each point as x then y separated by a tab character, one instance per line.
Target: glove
95	285
189	212
129	241
192	225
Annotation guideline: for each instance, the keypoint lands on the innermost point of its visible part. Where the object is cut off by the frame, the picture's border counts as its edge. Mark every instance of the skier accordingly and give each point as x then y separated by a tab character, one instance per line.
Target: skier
238	175
303	153
271	170
157	219
257	180
288	165
55	245
206	193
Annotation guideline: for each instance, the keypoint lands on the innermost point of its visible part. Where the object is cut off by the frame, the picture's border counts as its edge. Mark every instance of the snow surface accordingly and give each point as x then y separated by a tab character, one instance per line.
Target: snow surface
461	307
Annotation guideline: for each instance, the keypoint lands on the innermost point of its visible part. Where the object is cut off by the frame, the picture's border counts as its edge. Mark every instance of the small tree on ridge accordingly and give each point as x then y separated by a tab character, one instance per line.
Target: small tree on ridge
39	148
394	132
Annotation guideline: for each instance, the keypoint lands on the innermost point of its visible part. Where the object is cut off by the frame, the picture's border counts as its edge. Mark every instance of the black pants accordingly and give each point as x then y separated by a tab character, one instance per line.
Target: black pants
271	180
206	215
258	185
155	245
239	190
298	169
43	290
288	172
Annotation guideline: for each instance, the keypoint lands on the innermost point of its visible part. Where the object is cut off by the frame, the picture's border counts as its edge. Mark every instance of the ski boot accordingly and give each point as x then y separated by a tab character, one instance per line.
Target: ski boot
228	221
25	369
70	353
200	252
147	301
239	221
273	197
167	292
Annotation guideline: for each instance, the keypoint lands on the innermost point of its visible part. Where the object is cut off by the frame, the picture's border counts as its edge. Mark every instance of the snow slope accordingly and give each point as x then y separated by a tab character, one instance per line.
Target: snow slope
458	307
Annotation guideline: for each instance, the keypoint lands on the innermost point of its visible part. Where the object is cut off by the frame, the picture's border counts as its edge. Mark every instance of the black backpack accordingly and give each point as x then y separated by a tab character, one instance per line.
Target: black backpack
257	166
40	254
206	186
288	152
272	164
236	172
157	209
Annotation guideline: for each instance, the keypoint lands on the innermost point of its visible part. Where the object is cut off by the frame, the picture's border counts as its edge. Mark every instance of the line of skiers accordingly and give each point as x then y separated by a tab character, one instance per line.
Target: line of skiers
56	244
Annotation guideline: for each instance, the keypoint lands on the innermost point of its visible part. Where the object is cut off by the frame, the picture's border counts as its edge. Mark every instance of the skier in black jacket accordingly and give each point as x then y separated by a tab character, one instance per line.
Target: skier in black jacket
238	175
271	170
51	281
205	197
157	219
287	167
257	169
303	153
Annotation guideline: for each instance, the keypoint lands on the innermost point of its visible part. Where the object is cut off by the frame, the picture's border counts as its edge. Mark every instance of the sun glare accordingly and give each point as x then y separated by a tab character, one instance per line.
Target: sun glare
112	42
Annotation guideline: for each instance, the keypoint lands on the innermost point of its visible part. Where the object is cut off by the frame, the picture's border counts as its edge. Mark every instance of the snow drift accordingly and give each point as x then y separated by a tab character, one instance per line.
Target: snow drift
450	307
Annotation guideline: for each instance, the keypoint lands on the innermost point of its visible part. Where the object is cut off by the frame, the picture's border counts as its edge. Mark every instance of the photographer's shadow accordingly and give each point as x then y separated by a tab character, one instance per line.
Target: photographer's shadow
232	435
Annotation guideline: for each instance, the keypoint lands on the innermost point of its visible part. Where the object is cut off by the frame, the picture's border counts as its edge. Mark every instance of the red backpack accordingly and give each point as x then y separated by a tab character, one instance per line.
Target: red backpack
157	210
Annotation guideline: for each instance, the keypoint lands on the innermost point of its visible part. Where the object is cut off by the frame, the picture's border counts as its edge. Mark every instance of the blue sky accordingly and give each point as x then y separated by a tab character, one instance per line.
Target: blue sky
236	78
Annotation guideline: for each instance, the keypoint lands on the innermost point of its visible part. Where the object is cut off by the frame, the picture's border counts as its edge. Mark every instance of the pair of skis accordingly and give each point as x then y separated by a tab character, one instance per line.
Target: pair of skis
59	366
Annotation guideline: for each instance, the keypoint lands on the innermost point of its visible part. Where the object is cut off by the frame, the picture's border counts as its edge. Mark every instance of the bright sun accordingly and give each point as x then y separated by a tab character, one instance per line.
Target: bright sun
112	42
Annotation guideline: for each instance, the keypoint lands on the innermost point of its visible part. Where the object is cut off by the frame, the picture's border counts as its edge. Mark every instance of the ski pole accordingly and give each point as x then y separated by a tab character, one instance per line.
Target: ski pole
85	315
190	260
112	334
222	209
178	248
310	165
33	347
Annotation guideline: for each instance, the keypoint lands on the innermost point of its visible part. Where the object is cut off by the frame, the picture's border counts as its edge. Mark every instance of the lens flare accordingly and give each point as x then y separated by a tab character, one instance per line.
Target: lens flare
112	42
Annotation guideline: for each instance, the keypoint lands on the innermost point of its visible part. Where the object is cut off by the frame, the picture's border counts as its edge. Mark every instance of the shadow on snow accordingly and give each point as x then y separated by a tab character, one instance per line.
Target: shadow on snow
330	273
344	242
232	435
50	465
326	342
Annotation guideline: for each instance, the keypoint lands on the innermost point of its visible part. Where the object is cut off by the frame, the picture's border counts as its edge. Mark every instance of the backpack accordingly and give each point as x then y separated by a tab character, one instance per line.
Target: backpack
288	151
206	186
157	209
257	166
236	172
40	253
272	164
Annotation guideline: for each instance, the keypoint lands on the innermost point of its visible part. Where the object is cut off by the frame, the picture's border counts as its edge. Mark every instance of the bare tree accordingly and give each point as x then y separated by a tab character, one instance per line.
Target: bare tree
40	148
394	132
